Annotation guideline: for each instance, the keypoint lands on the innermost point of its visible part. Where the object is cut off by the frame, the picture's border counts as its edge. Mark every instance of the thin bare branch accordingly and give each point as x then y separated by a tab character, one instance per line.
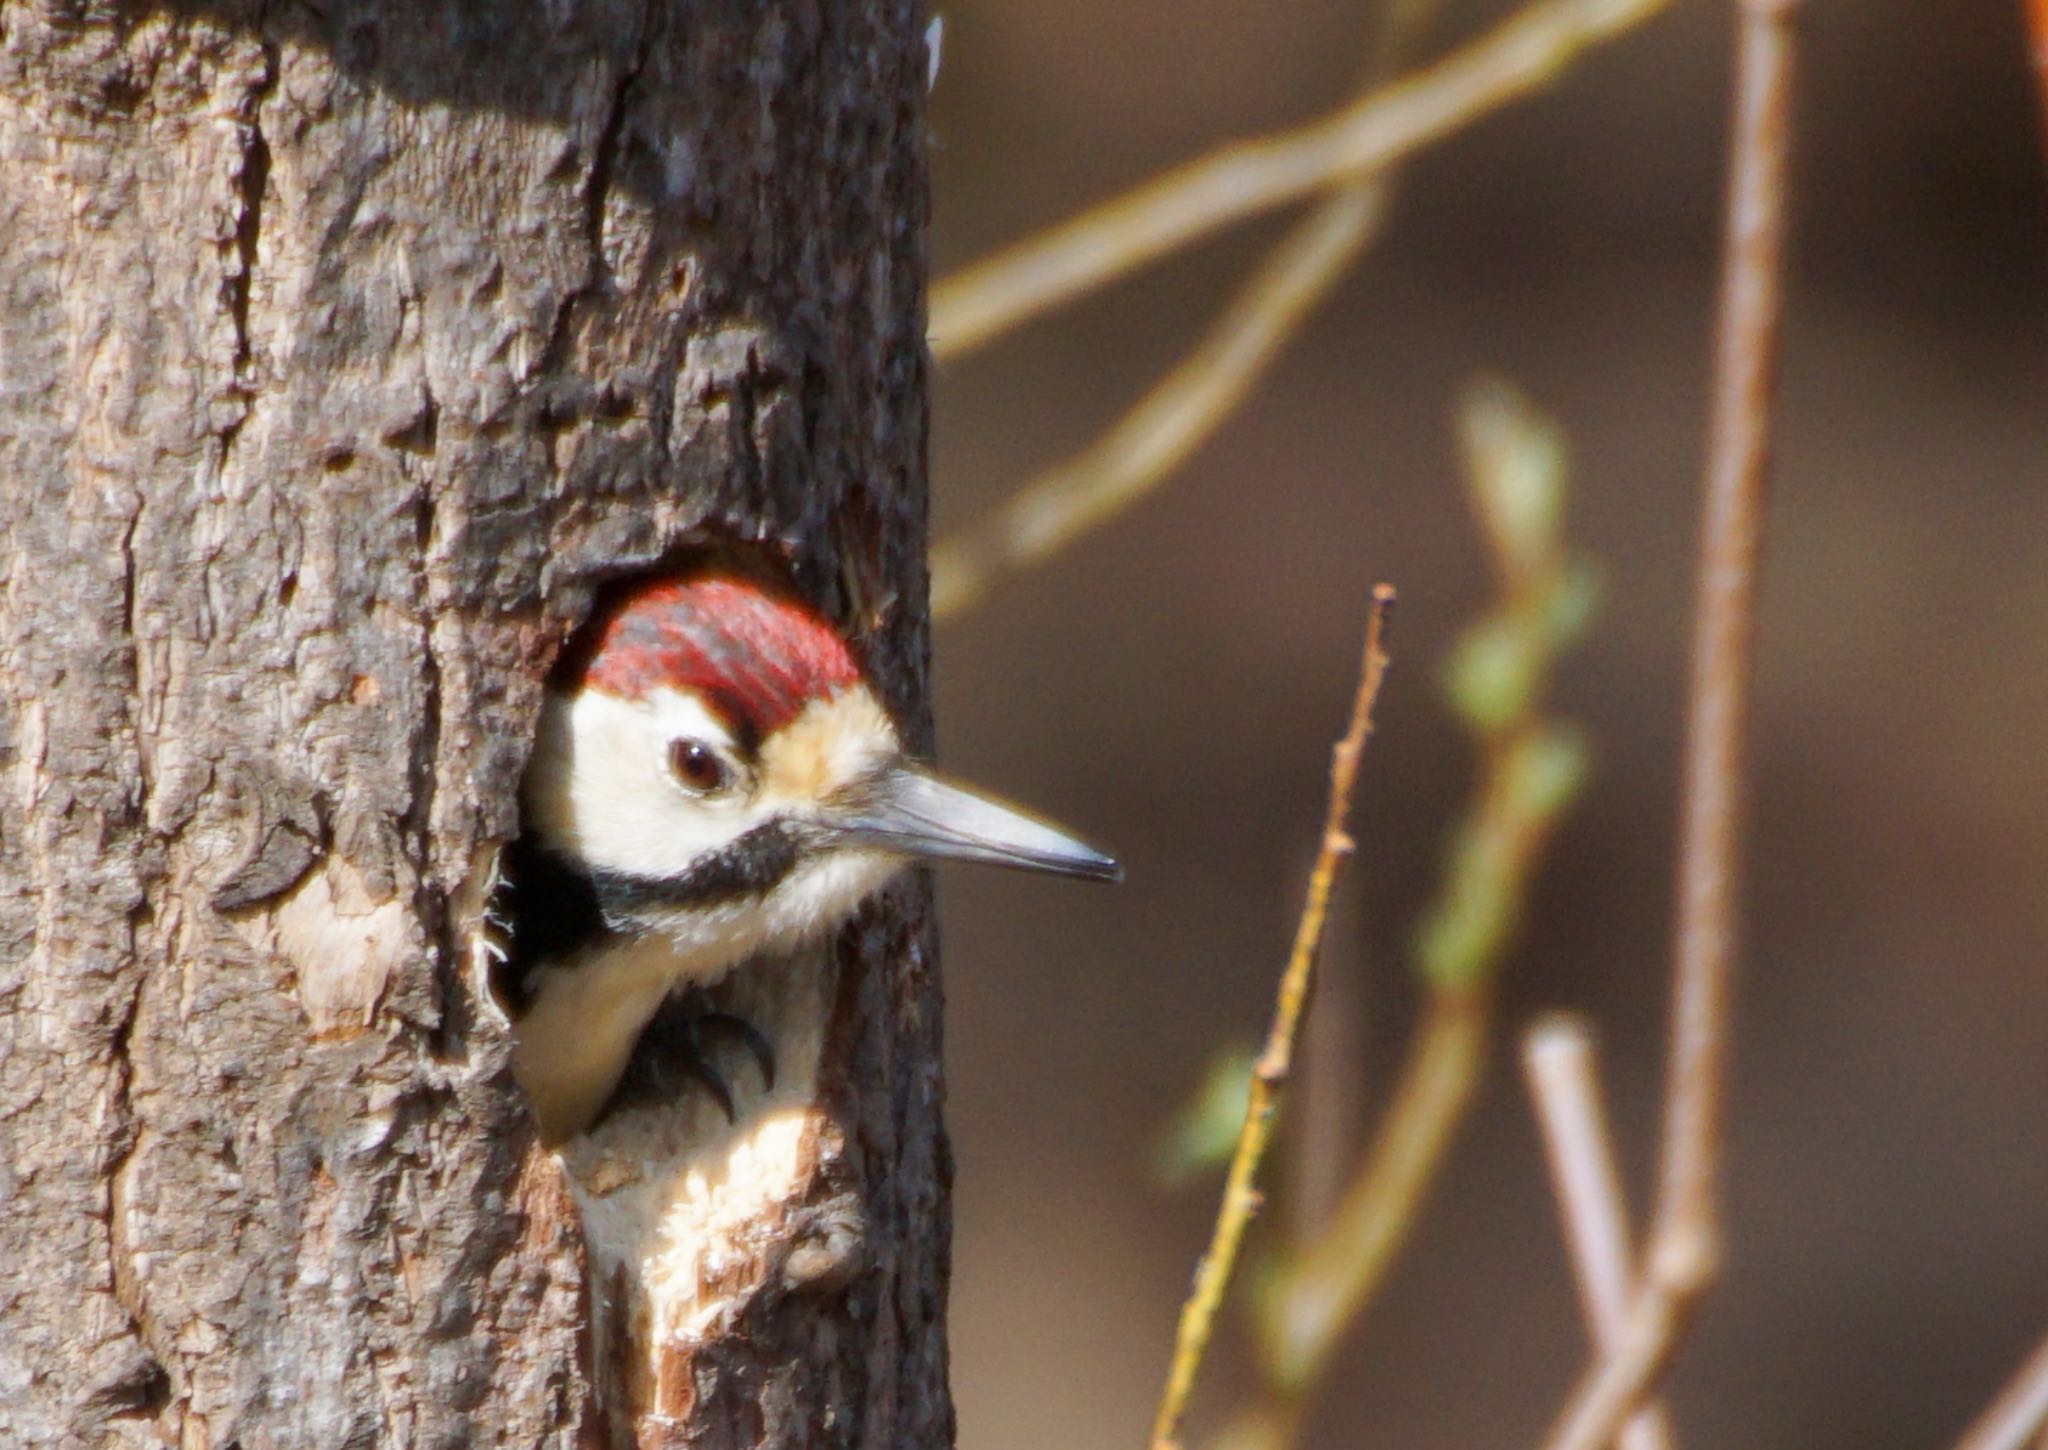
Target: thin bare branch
1512	61
1180	412
1685	1246
1269	1079
1558	1061
1716	757
2019	1412
1618	1380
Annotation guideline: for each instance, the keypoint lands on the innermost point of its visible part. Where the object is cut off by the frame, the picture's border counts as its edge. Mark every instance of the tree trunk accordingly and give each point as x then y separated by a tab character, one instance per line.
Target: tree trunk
343	350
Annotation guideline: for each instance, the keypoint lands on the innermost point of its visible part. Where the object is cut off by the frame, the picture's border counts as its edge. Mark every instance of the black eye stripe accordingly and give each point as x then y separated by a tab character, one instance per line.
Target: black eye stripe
559	908
750	866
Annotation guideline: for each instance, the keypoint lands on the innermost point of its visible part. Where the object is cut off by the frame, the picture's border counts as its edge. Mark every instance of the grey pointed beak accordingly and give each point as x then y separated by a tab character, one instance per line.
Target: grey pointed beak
913	813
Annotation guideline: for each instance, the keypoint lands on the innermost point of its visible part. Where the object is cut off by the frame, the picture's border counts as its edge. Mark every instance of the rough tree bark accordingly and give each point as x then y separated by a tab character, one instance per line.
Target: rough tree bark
343	349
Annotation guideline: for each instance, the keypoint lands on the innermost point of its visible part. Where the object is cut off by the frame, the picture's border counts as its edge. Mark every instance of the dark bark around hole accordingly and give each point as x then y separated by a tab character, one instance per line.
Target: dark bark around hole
346	350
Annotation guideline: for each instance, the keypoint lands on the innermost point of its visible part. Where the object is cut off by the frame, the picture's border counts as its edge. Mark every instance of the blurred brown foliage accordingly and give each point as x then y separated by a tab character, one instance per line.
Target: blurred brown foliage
1183	669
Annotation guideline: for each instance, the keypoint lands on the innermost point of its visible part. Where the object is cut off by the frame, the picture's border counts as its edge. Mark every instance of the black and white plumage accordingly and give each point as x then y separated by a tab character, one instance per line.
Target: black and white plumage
713	779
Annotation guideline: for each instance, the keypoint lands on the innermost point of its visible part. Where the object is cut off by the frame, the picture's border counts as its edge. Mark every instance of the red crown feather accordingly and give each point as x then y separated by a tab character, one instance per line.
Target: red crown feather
754	656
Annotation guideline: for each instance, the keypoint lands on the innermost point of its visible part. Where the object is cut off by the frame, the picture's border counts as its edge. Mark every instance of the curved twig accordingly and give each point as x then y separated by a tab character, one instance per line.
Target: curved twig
1513	60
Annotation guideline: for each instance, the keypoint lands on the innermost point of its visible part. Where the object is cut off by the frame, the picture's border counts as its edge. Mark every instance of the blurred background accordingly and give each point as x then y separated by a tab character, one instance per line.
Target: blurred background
1171	685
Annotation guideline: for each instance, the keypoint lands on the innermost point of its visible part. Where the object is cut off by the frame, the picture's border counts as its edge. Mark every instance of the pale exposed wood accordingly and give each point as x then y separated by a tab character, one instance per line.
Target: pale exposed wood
342	349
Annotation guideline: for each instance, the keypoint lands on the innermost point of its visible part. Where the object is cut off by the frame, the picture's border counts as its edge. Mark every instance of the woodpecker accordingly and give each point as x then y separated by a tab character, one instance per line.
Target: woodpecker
713	778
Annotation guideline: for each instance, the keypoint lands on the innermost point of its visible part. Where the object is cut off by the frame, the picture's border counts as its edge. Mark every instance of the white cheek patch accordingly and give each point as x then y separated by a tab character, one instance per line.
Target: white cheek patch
600	789
811	902
819	897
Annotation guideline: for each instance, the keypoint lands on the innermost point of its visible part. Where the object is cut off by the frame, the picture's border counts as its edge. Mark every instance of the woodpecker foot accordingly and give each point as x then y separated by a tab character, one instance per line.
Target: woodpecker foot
679	1045
705	1028
715	1025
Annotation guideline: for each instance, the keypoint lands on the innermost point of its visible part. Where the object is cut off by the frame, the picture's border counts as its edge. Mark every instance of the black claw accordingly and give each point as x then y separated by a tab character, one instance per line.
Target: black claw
699	1066
725	1024
677	1048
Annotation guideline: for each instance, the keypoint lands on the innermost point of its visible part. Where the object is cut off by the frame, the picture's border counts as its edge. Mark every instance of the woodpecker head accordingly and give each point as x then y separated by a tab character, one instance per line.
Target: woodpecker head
718	768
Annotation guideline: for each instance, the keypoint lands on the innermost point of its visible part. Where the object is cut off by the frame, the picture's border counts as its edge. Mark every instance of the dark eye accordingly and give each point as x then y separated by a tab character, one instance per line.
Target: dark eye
696	765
